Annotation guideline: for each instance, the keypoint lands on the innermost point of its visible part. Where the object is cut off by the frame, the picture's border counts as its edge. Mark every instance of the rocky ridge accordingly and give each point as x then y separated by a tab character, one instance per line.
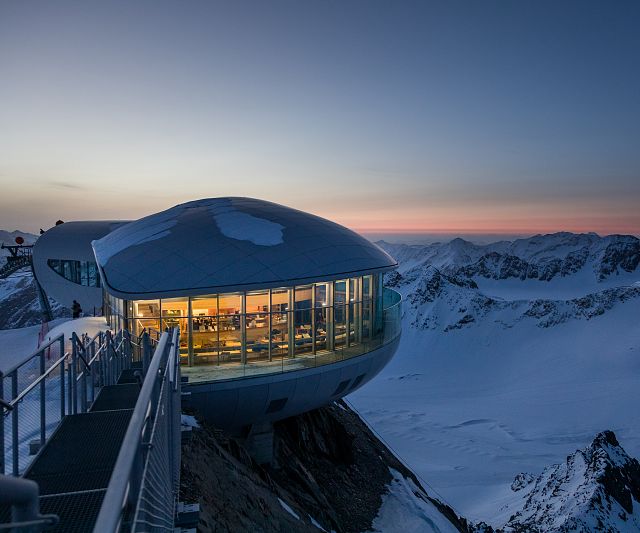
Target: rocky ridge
542	257
332	474
440	282
595	489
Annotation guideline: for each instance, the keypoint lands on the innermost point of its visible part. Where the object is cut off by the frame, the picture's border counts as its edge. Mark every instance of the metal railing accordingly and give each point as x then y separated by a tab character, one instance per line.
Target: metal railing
23	495
96	362
33	404
51	383
143	488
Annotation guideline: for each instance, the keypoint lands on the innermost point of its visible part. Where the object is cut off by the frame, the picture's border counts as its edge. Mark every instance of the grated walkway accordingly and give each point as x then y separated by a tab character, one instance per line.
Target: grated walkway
74	467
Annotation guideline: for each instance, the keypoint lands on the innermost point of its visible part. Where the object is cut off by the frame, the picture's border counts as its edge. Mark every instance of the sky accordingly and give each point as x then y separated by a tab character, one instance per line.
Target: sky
389	117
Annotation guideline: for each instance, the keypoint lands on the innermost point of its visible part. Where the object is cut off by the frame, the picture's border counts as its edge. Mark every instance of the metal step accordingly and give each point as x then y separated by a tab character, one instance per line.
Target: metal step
114	397
128	376
77	511
81	453
74	467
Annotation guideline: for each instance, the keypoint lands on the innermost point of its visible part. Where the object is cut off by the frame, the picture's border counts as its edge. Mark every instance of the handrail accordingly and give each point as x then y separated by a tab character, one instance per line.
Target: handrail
82	348
117	492
23	496
33	384
46	520
98	352
32	355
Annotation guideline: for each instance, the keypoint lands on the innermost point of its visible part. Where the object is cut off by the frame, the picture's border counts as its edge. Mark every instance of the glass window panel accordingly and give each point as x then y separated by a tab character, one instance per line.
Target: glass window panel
230	304
204	306
146	308
340	325
257	335
303	331
321	320
279	334
93	274
140	324
230	335
182	323
354	290
174	313
280	300
366	319
174	308
322	294
205	339
257	302
355	323
84	273
366	287
340	292
303	297
378	304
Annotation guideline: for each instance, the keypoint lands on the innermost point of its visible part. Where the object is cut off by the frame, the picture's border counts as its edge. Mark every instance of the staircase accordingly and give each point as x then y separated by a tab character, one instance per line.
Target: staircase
102	455
14	264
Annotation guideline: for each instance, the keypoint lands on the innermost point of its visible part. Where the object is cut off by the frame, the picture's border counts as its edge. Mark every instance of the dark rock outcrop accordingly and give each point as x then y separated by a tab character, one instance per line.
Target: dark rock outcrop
328	466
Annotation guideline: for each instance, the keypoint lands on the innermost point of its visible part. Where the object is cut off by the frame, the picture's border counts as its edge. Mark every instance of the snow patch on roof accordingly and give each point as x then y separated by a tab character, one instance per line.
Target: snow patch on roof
244	227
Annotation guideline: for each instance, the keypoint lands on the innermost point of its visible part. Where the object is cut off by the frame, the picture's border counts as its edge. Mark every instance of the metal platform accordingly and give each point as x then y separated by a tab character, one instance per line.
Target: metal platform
79	457
77	512
115	397
129	376
74	468
131	434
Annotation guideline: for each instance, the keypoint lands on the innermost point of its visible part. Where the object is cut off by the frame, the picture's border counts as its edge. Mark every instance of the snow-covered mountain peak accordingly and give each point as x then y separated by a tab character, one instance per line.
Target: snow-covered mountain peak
541	257
458	284
597	488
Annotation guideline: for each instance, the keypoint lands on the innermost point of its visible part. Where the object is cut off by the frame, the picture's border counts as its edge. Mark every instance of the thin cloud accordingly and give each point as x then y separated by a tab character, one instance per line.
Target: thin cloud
66	185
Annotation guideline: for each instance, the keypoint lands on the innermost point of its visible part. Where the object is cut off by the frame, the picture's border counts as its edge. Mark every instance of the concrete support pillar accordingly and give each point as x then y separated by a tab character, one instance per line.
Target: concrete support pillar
259	443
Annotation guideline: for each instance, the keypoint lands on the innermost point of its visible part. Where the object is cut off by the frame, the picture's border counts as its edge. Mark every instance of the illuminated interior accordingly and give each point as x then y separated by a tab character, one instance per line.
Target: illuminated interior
221	332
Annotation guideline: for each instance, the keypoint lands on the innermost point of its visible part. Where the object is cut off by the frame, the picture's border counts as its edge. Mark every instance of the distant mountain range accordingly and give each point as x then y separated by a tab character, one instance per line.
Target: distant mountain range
513	355
451	285
542	257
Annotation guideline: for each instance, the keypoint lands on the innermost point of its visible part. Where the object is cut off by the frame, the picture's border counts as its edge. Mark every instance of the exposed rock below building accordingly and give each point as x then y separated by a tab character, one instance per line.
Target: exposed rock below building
332	474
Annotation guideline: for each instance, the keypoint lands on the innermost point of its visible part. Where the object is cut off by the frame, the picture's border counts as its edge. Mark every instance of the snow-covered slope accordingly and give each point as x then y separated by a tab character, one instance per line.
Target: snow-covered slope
499	375
594	489
19	304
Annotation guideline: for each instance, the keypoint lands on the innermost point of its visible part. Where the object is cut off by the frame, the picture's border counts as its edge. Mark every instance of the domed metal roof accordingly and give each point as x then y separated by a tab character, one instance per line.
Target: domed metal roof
221	245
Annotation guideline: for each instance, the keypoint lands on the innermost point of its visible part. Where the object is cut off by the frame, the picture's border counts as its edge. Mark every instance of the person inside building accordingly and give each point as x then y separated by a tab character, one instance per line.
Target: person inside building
76	310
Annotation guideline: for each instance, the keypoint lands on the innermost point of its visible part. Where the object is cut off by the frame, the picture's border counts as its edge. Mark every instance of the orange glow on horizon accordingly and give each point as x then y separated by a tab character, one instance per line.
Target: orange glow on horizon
600	227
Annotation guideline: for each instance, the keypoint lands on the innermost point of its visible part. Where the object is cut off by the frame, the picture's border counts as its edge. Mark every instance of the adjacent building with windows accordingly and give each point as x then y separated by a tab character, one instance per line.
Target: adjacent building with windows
65	265
279	311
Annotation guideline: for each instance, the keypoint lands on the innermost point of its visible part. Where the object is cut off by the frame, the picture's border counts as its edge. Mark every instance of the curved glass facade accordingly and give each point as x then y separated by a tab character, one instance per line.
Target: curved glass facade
225	336
80	272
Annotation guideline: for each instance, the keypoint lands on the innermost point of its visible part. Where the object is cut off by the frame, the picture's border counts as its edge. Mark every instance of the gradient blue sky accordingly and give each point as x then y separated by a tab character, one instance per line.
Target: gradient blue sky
505	117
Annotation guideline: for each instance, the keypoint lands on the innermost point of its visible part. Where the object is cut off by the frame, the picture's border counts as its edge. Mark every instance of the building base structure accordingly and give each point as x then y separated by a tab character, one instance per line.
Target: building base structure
235	405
